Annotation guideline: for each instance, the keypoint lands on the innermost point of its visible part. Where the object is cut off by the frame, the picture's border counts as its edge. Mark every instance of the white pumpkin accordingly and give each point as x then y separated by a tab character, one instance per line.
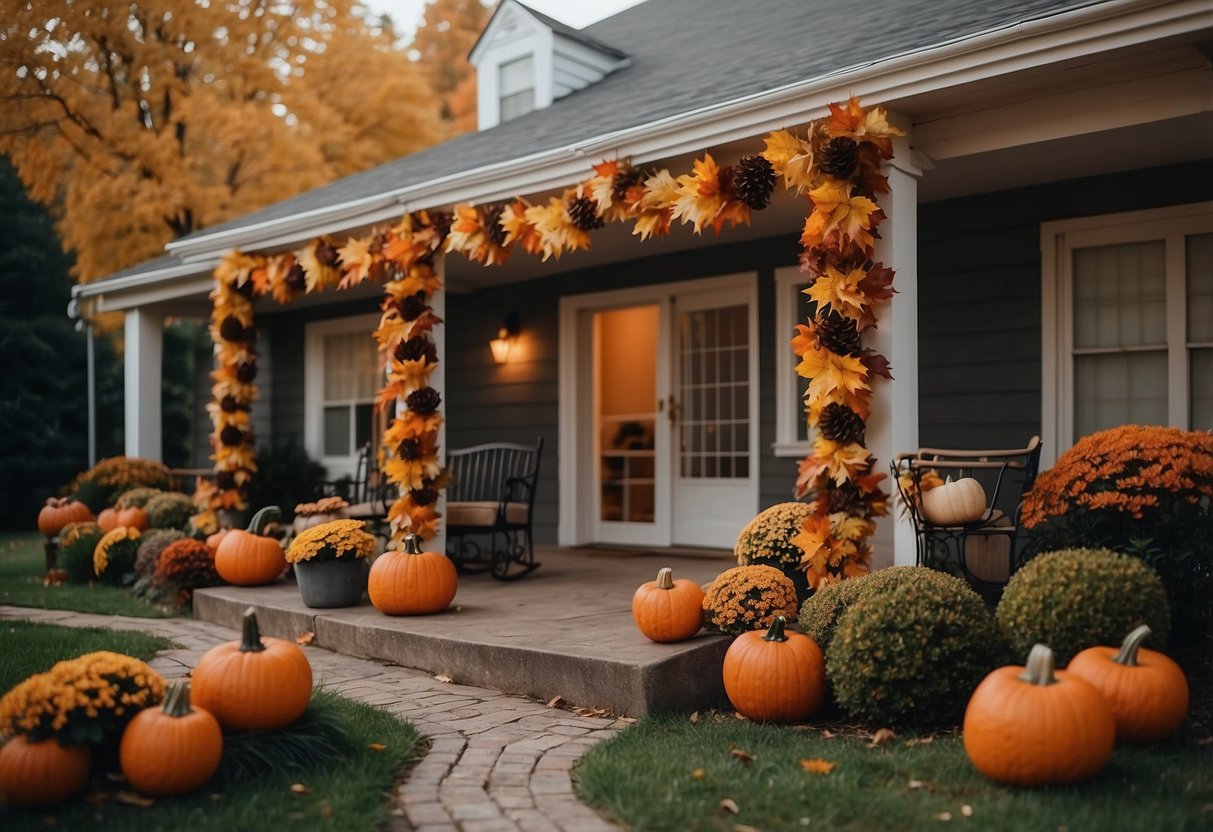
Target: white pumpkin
954	503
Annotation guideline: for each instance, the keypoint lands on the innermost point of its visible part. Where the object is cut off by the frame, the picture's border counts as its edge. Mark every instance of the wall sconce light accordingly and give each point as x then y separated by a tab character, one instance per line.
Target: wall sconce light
505	338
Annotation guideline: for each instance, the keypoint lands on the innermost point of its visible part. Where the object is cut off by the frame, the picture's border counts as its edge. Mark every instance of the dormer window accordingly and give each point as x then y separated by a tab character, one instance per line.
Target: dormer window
516	85
526	60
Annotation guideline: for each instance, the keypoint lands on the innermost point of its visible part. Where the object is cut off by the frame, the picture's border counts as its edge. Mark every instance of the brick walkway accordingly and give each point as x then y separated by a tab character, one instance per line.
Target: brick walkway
497	763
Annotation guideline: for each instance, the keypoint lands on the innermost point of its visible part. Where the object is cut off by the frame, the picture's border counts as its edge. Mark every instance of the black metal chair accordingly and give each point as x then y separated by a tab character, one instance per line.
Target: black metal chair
368	492
982	551
492	494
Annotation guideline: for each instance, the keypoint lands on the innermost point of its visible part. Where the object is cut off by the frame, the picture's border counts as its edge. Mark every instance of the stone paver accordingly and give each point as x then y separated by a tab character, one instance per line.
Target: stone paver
497	763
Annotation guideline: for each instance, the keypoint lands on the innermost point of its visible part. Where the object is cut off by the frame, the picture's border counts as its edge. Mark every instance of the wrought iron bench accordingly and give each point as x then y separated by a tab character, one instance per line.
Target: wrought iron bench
984	551
491	500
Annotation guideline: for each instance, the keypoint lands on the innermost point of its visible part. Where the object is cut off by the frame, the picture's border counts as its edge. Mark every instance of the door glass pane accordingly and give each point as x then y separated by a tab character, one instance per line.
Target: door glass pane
1120	295
337	430
1201	417
1199	257
1119	388
714	403
627	413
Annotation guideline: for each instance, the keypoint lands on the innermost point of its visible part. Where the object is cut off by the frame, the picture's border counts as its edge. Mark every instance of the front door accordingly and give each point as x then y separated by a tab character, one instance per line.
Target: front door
665	429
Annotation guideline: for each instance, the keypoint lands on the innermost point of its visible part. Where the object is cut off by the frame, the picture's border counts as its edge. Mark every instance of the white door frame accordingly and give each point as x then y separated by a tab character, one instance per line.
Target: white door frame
576	379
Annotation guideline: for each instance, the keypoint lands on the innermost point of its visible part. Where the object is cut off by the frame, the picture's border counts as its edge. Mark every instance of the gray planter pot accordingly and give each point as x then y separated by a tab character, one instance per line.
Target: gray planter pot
332	583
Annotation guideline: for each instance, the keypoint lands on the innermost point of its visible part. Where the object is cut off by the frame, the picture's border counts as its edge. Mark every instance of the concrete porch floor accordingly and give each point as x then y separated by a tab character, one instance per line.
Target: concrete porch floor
564	630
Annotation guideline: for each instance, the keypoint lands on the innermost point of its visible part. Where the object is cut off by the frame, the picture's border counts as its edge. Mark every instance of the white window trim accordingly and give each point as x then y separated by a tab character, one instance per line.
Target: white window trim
538	43
313	386
1058	240
788	398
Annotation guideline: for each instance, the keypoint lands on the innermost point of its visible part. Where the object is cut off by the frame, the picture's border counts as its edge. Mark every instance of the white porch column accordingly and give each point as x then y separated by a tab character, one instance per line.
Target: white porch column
144	337
438	382
893	426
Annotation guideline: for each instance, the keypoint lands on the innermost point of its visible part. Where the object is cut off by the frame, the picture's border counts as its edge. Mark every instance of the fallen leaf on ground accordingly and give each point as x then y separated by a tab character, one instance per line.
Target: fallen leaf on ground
882	736
133	799
745	827
299	788
728	805
817	766
944	816
916	784
827	734
555	701
694	717
628	719
442	677
305	638
377	746
740	716
326	809
913	741
592	711
740	754
966	810
699	774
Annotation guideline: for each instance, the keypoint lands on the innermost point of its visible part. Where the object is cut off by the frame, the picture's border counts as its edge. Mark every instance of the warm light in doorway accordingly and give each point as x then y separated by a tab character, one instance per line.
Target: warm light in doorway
505	339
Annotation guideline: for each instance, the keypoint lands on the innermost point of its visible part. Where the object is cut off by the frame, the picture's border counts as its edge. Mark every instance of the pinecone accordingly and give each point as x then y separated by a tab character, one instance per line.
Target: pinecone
837	334
295	278
409	449
225	480
326	254
625	178
230	404
492	224
244	289
583	212
246	372
230	329
231	436
754	181
424	496
412	306
839	157
846	498
424	401
416	349
840	424
441	221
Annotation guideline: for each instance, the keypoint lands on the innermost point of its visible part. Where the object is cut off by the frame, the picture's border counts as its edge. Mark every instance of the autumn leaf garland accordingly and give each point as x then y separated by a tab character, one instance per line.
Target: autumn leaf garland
836	166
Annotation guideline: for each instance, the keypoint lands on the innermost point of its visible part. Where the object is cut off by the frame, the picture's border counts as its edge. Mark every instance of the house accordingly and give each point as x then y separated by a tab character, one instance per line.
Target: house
1050	221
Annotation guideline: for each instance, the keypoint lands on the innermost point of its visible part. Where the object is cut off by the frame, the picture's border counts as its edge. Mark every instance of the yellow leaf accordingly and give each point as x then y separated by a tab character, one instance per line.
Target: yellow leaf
836	209
792	158
299	788
740	754
377	746
839	291
817	766
698	774
306	637
829	372
881	736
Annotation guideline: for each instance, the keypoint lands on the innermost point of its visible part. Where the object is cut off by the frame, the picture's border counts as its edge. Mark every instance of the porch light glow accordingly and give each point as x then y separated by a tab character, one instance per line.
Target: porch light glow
505	339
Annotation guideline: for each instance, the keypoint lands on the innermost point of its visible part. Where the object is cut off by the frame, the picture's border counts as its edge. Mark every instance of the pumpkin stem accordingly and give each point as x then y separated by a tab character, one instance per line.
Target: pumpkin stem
250	641
775	633
412	544
665	578
177	702
266	515
1128	650
1038	670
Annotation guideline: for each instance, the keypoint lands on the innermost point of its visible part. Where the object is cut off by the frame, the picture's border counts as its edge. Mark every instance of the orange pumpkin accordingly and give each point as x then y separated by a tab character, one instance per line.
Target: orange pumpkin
58	512
108	519
133	517
412	582
213	540
775	676
1148	692
245	558
173	749
668	610
41	773
1031	726
254	684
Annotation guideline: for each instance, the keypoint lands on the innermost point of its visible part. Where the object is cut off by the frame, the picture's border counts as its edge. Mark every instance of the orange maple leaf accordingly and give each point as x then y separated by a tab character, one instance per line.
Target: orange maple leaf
817	766
804	340
828	372
357	259
836	208
699	199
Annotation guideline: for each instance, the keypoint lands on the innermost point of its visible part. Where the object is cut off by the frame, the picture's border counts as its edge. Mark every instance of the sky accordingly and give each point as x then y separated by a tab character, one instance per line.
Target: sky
406	14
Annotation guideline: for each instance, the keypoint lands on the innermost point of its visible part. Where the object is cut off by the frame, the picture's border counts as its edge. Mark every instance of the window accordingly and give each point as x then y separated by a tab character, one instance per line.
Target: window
1128	336
792	307
516	88
342	375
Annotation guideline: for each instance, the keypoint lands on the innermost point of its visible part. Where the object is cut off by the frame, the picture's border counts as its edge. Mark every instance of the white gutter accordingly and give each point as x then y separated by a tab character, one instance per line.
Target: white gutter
1056	37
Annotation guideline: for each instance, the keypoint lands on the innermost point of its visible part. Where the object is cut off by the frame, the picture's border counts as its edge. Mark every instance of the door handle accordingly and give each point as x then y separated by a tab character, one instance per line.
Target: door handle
672	411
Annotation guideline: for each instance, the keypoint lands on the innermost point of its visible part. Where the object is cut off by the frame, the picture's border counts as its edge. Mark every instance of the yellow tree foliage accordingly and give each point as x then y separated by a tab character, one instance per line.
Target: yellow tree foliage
446	35
143	120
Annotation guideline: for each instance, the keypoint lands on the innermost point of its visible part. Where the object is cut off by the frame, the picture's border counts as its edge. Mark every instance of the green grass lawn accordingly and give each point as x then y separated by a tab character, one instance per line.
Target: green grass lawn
665	773
320	773
23	567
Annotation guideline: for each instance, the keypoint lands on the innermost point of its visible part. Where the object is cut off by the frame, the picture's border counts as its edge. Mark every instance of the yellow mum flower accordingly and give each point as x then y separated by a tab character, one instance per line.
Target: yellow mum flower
332	540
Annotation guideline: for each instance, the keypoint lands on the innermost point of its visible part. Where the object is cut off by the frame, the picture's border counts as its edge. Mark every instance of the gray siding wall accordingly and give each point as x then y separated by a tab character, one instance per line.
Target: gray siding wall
517	402
979	297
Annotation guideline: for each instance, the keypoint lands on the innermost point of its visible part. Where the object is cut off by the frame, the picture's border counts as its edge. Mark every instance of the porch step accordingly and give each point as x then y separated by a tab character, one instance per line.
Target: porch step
565	630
